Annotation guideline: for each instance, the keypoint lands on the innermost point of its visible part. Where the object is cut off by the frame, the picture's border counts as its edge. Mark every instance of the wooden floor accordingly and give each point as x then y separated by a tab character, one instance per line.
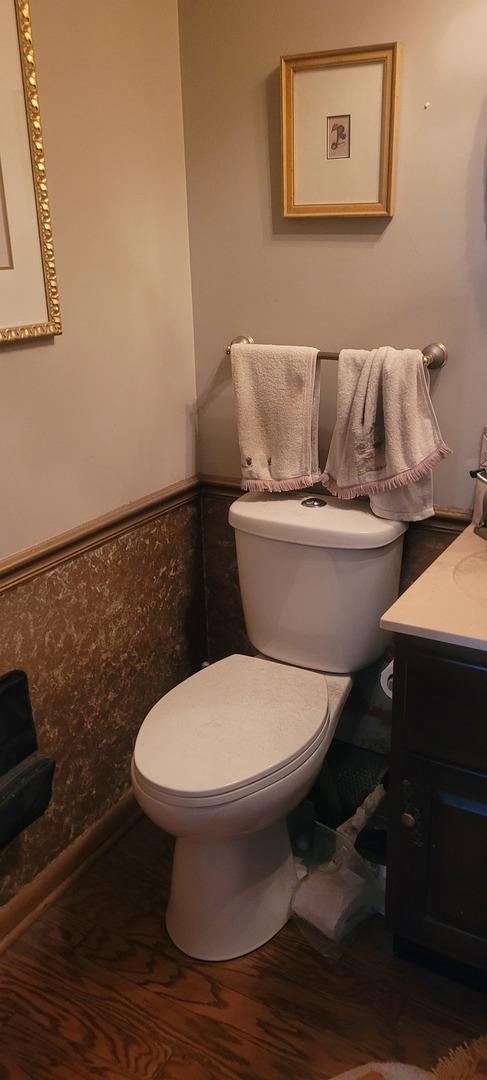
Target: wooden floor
95	989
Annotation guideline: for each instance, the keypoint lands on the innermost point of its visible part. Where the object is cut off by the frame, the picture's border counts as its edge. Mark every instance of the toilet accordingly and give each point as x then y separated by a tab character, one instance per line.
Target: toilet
222	759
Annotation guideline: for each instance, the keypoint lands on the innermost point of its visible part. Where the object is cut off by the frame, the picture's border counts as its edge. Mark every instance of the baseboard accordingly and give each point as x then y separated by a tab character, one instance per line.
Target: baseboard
32	900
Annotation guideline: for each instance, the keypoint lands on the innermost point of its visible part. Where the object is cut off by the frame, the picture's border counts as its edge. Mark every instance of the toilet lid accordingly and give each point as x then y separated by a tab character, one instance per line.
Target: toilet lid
236	721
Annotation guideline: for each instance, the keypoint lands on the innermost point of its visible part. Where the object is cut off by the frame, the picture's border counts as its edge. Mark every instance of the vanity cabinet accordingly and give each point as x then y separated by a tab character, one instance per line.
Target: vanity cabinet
437	850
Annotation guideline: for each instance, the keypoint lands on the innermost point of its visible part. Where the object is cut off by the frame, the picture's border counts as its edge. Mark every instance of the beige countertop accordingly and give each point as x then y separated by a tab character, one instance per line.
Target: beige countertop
449	601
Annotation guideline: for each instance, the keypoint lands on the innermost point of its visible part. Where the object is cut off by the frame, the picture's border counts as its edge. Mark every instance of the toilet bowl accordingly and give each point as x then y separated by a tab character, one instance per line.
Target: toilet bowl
219	762
223	758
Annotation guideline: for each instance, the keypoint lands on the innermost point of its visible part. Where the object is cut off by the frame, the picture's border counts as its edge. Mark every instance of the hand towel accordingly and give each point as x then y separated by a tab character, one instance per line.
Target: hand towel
386	439
277	389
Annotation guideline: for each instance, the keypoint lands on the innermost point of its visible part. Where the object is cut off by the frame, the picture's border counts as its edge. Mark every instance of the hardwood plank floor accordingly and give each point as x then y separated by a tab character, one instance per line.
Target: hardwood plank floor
95	989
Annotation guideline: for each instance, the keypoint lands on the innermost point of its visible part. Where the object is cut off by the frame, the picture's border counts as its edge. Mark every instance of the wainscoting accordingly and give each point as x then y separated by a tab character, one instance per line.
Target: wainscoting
224	615
425	540
103	621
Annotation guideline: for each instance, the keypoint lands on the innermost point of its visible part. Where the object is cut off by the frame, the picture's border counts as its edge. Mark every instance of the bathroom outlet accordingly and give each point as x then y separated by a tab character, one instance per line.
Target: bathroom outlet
25	792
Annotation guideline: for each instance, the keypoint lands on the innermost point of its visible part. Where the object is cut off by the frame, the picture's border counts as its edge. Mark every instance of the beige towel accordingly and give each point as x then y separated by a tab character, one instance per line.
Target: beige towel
386	439
277	389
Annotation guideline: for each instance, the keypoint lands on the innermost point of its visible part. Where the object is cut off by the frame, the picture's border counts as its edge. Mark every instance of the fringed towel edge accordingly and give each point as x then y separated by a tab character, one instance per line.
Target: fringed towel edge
390	483
296	483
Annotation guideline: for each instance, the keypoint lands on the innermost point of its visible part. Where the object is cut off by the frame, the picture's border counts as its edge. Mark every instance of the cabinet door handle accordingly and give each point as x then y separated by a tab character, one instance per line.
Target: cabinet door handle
411	814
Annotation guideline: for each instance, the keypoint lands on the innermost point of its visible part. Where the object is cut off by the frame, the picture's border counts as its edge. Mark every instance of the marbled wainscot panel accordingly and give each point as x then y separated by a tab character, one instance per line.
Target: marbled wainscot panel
225	621
101	637
423	542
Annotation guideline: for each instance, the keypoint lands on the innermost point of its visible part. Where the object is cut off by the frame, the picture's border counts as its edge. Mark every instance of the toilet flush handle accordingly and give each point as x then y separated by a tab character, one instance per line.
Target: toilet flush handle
313	501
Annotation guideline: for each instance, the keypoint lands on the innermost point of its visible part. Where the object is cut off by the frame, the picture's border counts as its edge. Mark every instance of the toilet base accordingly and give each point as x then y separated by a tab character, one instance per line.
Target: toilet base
228	896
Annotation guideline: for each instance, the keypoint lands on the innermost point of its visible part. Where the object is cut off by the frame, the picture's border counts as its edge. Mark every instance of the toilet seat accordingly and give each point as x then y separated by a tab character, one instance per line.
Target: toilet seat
233	728
224	797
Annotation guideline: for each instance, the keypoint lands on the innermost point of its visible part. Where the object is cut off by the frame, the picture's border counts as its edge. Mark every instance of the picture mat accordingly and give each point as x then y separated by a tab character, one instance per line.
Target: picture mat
321	92
22	292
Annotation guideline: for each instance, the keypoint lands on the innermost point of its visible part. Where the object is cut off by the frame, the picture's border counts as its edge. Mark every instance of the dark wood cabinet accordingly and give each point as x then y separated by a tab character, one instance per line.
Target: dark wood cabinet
437	851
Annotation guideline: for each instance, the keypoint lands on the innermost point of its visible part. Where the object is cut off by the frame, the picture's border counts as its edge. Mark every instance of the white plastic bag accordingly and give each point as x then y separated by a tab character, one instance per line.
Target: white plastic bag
340	891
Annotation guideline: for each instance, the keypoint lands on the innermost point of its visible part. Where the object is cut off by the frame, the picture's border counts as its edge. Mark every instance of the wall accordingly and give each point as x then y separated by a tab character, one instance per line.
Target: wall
104	414
101	417
420	277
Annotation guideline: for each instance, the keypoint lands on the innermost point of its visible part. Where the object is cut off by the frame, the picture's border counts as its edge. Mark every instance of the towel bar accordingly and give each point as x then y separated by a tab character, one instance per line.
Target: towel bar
435	355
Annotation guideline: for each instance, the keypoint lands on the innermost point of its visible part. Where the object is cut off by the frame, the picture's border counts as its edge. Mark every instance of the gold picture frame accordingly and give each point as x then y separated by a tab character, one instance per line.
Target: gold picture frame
29	295
338	126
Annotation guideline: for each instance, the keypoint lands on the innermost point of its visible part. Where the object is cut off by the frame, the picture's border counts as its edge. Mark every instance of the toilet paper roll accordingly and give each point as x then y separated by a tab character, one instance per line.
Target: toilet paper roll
387	678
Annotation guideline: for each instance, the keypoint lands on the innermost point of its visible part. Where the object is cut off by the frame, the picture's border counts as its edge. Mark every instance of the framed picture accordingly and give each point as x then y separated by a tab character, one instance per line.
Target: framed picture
338	112
29	300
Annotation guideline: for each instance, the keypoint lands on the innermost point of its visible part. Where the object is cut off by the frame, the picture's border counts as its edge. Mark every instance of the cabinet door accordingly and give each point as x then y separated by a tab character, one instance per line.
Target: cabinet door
438	858
444	708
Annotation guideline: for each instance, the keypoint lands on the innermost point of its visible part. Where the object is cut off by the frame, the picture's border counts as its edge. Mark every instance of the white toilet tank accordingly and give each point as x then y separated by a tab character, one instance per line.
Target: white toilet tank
316	574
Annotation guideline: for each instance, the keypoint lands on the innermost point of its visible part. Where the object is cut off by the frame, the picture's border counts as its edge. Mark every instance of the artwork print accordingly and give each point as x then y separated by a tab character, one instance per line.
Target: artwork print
338	136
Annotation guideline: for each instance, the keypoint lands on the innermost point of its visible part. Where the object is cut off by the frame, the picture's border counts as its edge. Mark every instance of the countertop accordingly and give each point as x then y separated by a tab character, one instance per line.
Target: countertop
449	601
